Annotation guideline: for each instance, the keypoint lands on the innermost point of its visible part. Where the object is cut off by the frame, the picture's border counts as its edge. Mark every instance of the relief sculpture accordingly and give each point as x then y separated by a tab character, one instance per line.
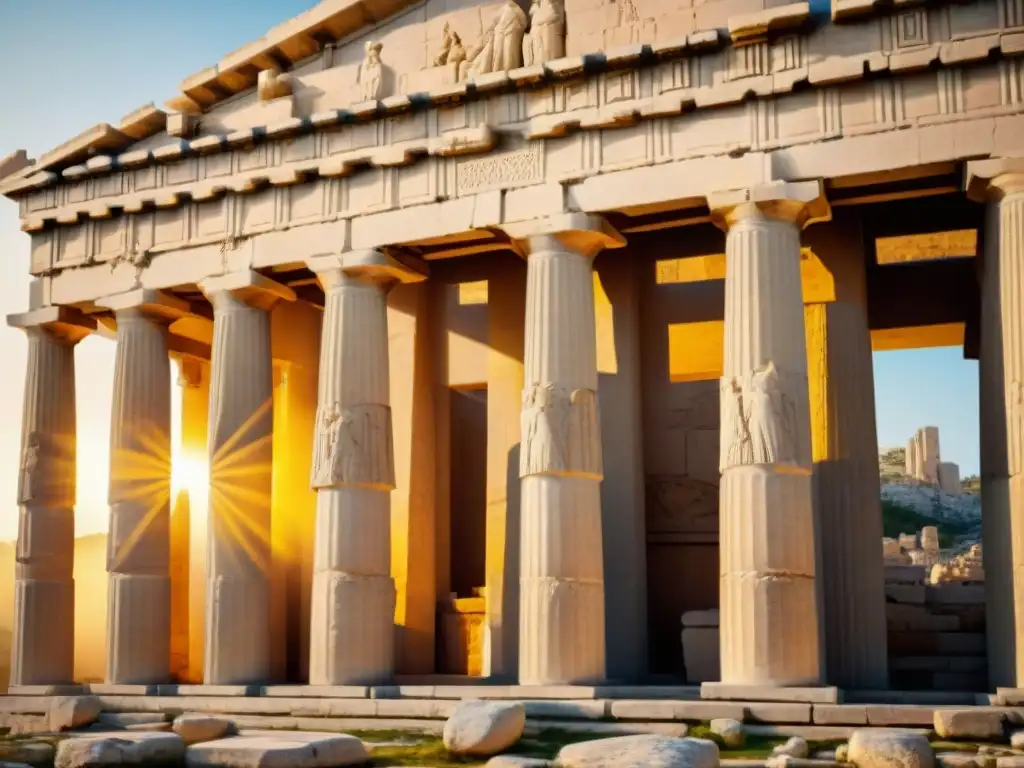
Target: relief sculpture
546	39
352	446
452	50
370	72
28	480
500	47
759	422
560	432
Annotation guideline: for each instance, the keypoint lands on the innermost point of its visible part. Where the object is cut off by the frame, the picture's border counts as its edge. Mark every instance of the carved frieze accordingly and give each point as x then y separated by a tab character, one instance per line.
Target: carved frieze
509	168
353	446
759	423
561	434
680	504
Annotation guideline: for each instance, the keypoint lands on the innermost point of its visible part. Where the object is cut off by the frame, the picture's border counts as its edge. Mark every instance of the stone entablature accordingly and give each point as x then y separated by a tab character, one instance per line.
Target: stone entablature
694	73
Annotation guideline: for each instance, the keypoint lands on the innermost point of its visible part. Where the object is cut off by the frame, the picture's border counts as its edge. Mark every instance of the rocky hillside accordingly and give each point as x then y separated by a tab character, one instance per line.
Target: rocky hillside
907	505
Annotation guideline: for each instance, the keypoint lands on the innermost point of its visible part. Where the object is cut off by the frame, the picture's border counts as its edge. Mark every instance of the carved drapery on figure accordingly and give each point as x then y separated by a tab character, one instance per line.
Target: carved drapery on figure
560	432
353	446
28	482
500	47
452	50
370	72
546	39
759	420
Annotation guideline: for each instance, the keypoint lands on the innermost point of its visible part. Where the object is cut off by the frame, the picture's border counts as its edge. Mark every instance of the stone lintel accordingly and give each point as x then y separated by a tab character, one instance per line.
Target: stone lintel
384	263
992	179
801	202
64	322
752	27
809	695
187	349
584	233
250	287
152	302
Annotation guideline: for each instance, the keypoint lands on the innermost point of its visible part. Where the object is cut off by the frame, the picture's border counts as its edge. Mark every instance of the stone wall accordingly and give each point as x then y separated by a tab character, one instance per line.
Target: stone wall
936	632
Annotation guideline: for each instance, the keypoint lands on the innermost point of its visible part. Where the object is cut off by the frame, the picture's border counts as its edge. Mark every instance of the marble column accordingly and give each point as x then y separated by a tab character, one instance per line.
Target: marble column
353	472
769	613
561	613
844	445
44	590
240	460
1001	373
138	544
352	635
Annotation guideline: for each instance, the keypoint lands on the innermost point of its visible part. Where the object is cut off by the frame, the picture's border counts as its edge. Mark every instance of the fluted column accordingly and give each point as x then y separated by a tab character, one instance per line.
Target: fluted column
769	609
353	607
240	461
561	608
844	444
44	591
1001	379
138	556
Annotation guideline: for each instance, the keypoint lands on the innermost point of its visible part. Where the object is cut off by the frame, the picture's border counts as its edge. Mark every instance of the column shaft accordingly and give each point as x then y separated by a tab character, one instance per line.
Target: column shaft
845	452
44	591
769	611
138	554
241	456
562	632
1001	373
353	606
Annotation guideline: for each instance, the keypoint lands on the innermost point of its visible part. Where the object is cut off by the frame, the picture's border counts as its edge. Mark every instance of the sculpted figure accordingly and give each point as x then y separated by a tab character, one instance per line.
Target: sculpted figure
767	417
501	45
27	489
370	72
325	447
546	38
452	50
735	434
545	429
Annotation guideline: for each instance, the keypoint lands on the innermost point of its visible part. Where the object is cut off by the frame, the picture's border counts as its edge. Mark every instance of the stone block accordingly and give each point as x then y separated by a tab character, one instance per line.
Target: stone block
107	689
319	691
594	709
124	719
956	594
728	692
976	723
648	692
889	715
701	654
907	594
701	618
262	748
779	712
840	714
905	574
695	711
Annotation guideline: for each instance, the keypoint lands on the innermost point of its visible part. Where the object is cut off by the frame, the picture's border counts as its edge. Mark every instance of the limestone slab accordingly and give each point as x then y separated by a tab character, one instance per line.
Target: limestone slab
976	723
318	691
274	749
840	714
816	695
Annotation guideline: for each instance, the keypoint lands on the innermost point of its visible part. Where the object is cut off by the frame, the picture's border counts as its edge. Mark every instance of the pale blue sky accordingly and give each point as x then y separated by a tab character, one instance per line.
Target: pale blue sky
70	64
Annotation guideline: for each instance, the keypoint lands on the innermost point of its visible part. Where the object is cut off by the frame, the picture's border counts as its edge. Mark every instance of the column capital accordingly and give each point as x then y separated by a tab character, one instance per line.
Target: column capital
799	202
249	287
155	304
65	323
994	179
376	263
583	233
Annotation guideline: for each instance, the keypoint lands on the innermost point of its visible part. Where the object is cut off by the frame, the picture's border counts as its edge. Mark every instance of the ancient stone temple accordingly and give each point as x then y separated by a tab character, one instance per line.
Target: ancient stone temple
511	333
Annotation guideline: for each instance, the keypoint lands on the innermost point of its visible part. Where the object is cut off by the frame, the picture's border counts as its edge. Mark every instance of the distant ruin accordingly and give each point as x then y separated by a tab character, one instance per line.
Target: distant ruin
924	462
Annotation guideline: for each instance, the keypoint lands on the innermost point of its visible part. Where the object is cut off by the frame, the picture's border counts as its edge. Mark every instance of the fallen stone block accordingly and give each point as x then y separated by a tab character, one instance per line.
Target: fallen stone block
794	747
274	749
67	712
33	753
974	723
194	728
125	719
964	760
98	750
484	728
890	748
730	731
620	751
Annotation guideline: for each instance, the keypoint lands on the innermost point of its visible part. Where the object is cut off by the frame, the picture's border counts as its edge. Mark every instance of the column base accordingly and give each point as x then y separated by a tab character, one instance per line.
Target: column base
237	631
808	695
353	629
138	629
43	645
